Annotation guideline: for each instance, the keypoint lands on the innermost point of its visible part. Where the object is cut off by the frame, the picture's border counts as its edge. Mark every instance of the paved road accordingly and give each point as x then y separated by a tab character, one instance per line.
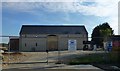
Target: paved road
60	67
37	61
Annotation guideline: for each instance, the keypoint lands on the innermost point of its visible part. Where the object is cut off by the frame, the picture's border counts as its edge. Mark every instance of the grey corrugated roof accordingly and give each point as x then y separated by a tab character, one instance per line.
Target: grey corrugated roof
53	29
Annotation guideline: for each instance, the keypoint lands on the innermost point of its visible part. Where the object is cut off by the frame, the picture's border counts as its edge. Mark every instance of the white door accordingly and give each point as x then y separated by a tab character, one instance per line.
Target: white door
72	45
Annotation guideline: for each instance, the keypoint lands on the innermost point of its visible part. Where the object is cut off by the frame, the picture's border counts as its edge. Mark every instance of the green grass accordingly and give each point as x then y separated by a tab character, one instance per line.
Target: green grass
95	58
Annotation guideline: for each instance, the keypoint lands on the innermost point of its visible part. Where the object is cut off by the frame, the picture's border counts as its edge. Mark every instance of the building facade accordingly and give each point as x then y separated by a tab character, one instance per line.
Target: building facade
115	42
51	38
14	44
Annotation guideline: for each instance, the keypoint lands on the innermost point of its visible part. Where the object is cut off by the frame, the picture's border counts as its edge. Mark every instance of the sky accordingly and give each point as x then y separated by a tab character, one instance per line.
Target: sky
89	13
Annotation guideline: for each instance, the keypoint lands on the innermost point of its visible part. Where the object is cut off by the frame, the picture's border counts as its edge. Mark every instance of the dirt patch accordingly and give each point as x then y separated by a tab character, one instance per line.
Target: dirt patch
13	58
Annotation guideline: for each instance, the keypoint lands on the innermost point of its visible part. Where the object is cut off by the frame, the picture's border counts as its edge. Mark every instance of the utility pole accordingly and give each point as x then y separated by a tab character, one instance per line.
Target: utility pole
9	48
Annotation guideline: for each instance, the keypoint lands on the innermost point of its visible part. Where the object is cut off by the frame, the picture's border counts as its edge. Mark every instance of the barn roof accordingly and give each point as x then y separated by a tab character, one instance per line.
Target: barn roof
53	29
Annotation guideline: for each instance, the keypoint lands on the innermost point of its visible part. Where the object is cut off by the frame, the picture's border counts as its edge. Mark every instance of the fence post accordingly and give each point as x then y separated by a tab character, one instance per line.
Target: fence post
47	56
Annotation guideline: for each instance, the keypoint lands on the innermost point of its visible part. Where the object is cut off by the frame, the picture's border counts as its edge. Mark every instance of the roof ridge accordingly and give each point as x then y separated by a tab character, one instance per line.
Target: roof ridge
58	29
52	25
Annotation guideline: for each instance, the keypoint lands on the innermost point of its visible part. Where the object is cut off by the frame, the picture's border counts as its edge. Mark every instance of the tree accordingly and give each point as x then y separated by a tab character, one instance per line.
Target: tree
101	33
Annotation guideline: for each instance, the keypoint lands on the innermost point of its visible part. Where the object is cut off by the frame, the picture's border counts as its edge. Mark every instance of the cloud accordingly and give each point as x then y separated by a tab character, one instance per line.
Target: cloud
45	0
99	8
113	23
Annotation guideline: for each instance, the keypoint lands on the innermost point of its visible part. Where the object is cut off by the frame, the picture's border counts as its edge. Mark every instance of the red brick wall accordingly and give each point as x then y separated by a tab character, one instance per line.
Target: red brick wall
116	46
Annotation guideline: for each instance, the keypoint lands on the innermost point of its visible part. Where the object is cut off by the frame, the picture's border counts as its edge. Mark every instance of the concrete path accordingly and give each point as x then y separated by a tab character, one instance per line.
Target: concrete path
0	61
37	61
52	67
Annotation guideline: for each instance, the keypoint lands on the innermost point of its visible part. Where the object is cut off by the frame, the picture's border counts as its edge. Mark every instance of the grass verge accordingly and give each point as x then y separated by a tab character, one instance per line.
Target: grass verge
101	58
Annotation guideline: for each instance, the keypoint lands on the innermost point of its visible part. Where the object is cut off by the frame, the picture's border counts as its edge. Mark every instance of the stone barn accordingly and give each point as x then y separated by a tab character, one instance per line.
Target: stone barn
51	37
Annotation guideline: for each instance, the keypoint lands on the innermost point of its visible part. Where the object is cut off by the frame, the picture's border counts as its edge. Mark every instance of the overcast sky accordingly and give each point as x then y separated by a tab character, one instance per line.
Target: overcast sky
90	13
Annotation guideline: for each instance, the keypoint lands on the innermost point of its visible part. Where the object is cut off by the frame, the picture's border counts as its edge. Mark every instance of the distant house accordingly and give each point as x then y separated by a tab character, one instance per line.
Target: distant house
115	42
51	37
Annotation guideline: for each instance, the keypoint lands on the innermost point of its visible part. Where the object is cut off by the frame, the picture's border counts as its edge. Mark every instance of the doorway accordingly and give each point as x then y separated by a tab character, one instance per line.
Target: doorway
52	43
